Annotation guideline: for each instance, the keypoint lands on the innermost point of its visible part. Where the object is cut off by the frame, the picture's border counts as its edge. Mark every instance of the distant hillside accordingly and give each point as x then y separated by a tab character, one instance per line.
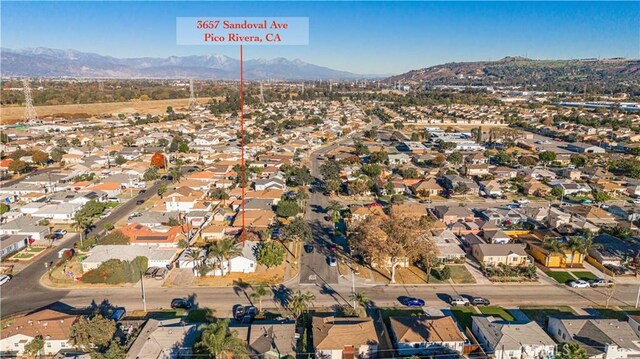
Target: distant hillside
52	63
618	75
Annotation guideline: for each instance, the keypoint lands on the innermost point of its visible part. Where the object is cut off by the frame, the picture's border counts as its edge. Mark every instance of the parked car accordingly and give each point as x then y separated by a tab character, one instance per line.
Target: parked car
140	201
586	201
333	261
480	301
332	247
523	201
459	301
636	201
601	283
60	232
4	279
151	272
308	248
579	284
180	303
412	302
238	312
160	274
142	191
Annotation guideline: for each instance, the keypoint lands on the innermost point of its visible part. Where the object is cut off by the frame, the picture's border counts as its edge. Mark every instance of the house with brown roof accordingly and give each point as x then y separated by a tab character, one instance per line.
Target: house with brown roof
450	215
51	325
427	188
161	236
493	254
426	335
360	213
344	337
536	188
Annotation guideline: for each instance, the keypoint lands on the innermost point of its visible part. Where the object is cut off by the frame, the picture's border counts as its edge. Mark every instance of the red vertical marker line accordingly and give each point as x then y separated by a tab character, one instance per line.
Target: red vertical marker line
242	141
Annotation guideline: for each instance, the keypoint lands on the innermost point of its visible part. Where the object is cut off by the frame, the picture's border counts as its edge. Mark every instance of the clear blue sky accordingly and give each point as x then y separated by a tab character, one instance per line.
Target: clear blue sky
363	37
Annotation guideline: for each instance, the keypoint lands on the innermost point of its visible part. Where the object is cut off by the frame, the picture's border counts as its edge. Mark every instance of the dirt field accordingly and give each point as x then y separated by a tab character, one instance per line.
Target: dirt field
10	114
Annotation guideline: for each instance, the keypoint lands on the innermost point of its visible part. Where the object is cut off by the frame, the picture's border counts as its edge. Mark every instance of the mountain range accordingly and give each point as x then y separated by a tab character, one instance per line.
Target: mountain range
562	75
46	62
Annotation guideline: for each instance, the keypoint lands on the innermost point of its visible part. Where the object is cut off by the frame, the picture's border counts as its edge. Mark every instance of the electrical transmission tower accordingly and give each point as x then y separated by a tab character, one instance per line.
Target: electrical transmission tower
29	111
192	97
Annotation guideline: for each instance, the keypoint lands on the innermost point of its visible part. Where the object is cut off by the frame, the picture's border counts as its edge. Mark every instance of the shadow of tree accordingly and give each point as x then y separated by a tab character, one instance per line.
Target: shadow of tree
281	295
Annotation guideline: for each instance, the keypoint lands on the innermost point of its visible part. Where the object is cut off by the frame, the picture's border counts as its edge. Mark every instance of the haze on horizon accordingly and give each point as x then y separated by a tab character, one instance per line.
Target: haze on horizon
360	37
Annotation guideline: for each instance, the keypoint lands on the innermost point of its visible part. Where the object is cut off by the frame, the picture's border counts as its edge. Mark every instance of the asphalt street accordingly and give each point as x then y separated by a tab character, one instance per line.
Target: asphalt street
24	291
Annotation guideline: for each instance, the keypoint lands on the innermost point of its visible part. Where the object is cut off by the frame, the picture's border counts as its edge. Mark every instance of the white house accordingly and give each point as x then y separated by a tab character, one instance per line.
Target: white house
61	213
600	338
51	325
512	340
102	253
245	263
11	243
426	335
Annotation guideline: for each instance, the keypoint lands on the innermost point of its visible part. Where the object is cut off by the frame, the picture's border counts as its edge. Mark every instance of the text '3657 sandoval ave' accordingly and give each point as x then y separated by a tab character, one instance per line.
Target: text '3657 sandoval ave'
242	31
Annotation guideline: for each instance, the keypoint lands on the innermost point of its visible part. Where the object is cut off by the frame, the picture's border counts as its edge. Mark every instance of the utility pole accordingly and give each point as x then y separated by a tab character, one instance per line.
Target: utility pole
638	297
144	299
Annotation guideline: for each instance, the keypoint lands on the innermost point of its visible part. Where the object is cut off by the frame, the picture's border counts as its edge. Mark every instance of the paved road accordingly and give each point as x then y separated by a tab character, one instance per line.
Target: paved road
24	291
223	299
36	172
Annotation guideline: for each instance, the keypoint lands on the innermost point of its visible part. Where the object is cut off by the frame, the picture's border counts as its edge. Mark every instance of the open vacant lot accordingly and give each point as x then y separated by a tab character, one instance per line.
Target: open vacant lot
11	114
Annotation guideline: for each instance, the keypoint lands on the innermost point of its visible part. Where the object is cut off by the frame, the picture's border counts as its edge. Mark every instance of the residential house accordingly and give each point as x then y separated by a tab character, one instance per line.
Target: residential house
580	147
360	213
449	246
246	262
491	188
58	213
274	182
600	338
471	170
167	338
161	236
512	340
494	254
427	188
53	326
450	215
536	188
497	236
612	250
158	257
213	232
11	243
25	225
338	338
503	216
272	339
426	335
570	187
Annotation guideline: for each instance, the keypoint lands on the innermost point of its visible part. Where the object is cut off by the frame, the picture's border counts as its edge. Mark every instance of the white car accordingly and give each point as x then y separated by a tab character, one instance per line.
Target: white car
580	284
462	301
636	201
4	279
523	201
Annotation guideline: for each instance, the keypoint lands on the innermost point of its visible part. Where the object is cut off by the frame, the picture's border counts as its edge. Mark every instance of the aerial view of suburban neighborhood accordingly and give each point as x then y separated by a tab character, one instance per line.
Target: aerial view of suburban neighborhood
462	182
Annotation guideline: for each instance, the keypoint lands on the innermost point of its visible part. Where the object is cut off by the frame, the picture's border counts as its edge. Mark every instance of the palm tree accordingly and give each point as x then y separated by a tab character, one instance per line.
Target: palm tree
571	350
193	256
359	298
224	251
217	342
300	302
555	246
258	293
333	207
81	222
585	244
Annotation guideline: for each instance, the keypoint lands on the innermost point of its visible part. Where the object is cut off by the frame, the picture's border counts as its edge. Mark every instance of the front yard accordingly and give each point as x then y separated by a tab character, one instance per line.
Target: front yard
541	314
497	312
27	253
561	277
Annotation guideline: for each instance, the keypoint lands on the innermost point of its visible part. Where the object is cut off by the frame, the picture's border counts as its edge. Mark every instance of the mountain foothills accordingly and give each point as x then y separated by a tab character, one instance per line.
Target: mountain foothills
46	62
599	75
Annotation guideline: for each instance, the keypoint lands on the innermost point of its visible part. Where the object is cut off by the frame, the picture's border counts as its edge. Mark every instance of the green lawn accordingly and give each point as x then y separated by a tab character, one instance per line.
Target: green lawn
460	274
35	249
398	312
541	314
200	315
585	275
463	315
113	204
497	312
561	276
